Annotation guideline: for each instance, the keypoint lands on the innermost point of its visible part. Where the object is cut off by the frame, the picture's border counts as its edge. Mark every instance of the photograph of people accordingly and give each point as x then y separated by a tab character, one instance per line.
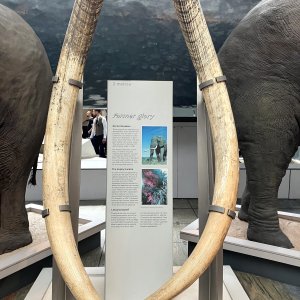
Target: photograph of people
99	133
154	187
87	125
154	145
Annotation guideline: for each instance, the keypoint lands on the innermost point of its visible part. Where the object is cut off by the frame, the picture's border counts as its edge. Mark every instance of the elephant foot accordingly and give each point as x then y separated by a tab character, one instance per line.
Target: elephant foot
243	215
10	240
273	237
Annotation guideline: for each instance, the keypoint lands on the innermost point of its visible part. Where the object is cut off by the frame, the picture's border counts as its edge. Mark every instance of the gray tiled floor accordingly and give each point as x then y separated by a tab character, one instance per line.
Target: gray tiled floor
185	211
260	288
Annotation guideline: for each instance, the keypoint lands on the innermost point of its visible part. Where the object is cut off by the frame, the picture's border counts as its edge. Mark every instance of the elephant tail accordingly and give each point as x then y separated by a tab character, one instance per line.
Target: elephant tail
32	179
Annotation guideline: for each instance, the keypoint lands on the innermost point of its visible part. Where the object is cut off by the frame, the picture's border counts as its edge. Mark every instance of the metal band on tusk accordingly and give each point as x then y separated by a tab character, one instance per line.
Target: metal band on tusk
210	82
205	84
73	82
221	78
55	79
76	83
221	210
65	207
45	212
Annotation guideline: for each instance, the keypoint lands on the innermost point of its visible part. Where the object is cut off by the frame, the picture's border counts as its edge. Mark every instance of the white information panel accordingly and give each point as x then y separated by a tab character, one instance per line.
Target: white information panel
139	213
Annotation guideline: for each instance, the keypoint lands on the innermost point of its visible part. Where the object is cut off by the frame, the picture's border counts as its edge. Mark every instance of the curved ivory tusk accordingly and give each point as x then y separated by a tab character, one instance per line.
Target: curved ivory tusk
57	146
206	63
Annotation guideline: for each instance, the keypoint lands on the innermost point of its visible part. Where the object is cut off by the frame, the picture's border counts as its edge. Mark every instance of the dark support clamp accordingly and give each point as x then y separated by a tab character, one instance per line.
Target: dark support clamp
76	83
45	213
221	210
73	82
210	82
65	207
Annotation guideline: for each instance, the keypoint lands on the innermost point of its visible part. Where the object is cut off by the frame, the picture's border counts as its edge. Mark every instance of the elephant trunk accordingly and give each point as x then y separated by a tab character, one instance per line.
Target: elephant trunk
215	94
57	146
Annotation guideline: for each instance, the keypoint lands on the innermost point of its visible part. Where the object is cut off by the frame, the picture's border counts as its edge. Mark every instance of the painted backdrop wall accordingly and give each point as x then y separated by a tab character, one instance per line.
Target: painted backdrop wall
138	40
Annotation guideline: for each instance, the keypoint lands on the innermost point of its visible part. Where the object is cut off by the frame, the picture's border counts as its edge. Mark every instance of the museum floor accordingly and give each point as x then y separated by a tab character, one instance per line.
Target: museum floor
185	211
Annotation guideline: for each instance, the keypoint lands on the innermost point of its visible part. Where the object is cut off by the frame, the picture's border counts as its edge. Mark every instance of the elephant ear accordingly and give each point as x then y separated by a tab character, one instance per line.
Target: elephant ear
224	136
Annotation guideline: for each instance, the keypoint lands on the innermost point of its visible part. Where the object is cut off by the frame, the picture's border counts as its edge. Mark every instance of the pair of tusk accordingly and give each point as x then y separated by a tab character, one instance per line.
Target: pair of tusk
58	135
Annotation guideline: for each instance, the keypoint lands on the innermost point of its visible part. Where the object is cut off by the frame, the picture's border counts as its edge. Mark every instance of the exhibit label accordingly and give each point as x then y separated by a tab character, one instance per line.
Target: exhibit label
139	206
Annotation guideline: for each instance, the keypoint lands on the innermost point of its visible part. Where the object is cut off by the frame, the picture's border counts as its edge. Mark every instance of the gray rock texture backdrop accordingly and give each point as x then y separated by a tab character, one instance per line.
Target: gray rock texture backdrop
138	40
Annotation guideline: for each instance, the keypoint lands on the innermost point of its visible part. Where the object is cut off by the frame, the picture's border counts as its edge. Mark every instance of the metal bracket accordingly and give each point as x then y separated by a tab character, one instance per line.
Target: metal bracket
76	83
45	212
55	79
65	207
221	210
210	82
73	82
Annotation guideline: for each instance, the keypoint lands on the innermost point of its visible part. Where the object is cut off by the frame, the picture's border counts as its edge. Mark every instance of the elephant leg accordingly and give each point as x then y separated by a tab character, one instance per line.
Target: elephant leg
265	171
165	153
151	154
14	230
243	213
157	150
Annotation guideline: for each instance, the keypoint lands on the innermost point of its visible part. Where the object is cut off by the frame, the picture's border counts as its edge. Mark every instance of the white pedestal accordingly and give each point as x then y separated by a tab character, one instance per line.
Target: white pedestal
264	260
267	252
21	258
41	289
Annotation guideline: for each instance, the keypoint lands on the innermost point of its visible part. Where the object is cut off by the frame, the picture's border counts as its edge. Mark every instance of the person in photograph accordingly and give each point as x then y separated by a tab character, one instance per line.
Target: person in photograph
87	125
92	130
104	115
99	134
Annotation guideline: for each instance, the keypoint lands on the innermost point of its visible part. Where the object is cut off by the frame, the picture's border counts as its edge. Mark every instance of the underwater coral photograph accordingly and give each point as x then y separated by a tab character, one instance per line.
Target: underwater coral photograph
154	187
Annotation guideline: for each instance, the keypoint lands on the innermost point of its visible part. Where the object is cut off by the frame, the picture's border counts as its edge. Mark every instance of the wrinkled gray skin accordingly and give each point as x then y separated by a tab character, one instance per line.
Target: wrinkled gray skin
25	88
261	60
159	146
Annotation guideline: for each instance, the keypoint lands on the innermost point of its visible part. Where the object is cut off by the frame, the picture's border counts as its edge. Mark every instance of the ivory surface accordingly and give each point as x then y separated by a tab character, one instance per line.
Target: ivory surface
57	147
204	58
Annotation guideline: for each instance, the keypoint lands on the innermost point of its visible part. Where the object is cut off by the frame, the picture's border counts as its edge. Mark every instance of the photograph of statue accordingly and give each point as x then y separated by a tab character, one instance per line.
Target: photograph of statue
154	187
154	145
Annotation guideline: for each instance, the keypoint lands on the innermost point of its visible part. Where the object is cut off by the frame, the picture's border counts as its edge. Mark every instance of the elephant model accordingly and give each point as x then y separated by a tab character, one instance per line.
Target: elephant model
159	145
25	88
261	59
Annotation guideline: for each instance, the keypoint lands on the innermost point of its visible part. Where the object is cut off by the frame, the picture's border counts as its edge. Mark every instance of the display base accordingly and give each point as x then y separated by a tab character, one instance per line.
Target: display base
42	288
23	265
93	174
260	259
